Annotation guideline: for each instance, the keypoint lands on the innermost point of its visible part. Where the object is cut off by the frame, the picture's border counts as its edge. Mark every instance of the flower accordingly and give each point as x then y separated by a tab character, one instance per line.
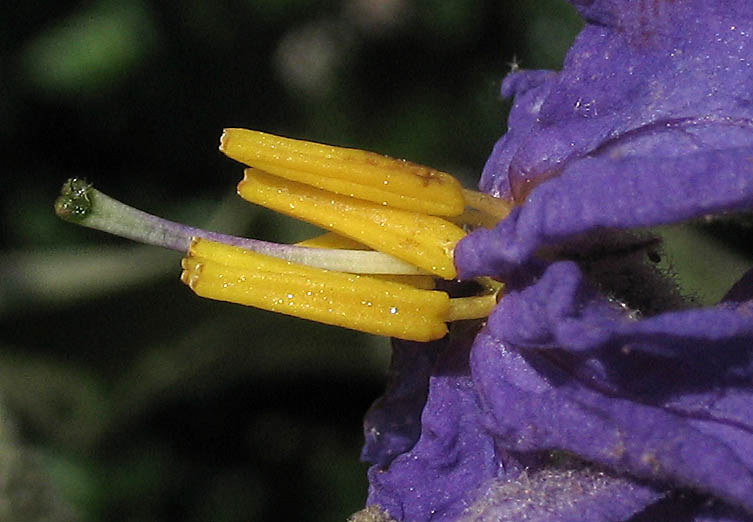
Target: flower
594	392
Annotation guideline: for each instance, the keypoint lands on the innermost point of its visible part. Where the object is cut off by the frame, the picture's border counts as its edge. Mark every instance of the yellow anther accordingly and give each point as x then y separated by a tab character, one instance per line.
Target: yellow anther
422	240
332	240
423	282
227	273
494	208
476	307
350	172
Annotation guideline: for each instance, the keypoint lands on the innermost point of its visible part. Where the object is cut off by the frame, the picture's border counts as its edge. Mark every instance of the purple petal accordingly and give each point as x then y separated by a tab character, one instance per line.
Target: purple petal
656	15
536	406
530	88
643	79
392	424
641	191
454	455
563	310
657	398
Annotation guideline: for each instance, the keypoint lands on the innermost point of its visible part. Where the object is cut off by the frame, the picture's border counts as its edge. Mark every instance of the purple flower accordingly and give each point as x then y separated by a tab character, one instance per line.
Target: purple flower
593	392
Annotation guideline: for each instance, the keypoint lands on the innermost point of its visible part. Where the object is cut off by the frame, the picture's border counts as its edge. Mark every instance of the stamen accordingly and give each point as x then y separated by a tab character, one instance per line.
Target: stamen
473	218
349	172
496	208
476	307
81	203
424	241
332	240
227	273
424	282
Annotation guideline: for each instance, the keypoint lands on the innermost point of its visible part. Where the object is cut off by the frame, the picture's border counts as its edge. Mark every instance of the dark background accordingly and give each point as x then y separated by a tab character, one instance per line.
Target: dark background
134	399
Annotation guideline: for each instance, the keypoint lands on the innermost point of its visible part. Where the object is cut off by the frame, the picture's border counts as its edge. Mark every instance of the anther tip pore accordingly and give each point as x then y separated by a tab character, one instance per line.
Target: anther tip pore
224	137
75	200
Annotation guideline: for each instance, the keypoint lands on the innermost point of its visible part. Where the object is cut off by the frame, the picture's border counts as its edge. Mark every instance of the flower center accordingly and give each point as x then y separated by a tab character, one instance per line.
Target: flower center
392	228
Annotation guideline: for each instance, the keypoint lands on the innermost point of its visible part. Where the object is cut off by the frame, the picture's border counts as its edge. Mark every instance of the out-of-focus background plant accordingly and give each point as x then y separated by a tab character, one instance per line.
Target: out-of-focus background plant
123	396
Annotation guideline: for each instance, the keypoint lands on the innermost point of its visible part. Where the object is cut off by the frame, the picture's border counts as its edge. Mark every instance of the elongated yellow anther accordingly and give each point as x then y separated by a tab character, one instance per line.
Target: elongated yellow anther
495	208
350	172
332	240
416	281
227	273
422	240
476	307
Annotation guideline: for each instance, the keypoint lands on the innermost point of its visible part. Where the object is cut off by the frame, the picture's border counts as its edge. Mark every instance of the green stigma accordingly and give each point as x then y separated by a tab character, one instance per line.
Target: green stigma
75	200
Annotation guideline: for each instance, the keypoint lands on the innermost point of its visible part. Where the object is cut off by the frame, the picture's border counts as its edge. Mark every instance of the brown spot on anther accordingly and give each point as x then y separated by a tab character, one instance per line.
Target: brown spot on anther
409	244
427	175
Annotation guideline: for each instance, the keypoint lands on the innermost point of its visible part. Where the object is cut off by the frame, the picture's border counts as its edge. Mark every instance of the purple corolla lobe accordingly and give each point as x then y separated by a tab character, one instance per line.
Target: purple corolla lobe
644	78
393	423
436	479
595	193
667	398
530	89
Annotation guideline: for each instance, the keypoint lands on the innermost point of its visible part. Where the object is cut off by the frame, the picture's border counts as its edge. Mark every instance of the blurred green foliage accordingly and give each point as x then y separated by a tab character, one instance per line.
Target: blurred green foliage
91	49
137	400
